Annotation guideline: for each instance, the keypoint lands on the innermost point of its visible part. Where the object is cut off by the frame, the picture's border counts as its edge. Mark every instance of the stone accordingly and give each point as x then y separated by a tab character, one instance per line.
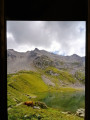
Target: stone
25	116
65	112
36	107
80	112
41	105
69	112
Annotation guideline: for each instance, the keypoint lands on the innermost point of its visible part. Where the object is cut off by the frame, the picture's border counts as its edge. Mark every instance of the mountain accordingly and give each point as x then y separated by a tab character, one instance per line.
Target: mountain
42	76
31	60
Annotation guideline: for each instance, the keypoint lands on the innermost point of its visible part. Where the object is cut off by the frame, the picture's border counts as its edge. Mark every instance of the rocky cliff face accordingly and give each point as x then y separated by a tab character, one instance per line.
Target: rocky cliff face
31	60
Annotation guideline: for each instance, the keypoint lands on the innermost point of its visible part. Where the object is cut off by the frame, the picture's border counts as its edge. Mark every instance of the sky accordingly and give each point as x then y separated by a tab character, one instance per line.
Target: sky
59	37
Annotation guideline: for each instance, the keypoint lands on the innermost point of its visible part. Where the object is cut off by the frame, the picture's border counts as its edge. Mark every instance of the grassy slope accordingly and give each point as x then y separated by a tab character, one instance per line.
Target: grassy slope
24	84
27	113
62	75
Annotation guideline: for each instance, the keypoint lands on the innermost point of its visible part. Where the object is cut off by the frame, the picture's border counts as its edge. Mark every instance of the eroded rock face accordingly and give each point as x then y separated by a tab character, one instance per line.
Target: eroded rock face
42	62
80	112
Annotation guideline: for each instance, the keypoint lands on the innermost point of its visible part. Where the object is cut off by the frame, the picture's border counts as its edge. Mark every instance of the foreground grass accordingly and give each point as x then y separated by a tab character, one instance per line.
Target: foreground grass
27	85
23	112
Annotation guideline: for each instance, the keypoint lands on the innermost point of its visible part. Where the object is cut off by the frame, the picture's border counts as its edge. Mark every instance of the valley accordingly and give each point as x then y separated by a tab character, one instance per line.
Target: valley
56	81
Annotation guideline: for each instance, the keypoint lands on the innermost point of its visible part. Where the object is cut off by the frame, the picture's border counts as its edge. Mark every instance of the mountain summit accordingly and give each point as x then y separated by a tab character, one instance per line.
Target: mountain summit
36	49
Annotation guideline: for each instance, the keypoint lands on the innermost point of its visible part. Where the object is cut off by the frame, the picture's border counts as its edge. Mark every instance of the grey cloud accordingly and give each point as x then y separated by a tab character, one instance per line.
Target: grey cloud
42	33
67	32
29	33
11	44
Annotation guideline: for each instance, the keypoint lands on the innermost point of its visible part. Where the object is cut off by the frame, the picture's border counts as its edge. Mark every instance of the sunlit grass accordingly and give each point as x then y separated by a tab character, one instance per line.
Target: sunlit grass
28	85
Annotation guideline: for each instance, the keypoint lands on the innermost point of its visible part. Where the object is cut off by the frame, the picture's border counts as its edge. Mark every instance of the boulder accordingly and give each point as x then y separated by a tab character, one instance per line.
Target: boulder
36	107
80	112
41	105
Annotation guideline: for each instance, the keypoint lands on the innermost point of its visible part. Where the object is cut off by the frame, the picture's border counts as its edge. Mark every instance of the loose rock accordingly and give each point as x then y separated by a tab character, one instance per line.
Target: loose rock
80	112
36	107
41	104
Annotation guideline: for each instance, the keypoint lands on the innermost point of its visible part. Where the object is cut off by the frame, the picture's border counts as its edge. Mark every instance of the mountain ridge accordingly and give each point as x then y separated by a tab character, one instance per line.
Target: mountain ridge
36	49
31	60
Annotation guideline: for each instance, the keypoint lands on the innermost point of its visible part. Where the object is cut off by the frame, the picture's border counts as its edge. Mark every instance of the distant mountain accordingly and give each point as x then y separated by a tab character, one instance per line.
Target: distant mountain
31	60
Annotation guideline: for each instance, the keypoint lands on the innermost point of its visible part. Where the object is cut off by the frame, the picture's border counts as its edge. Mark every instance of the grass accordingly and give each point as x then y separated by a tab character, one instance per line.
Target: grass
22	84
28	85
27	82
62	75
80	76
27	113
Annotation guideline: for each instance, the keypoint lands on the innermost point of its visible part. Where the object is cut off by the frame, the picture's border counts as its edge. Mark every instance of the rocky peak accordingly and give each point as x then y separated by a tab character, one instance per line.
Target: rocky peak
36	49
75	55
10	50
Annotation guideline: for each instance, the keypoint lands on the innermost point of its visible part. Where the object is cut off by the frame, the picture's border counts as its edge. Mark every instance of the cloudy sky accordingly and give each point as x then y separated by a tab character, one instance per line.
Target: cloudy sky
59	37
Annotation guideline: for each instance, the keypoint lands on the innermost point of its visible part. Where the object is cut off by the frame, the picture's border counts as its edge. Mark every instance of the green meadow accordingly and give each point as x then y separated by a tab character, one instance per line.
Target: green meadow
29	86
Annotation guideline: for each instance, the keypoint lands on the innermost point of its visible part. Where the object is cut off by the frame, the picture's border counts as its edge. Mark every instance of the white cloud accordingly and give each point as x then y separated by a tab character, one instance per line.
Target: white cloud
55	46
66	37
10	36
